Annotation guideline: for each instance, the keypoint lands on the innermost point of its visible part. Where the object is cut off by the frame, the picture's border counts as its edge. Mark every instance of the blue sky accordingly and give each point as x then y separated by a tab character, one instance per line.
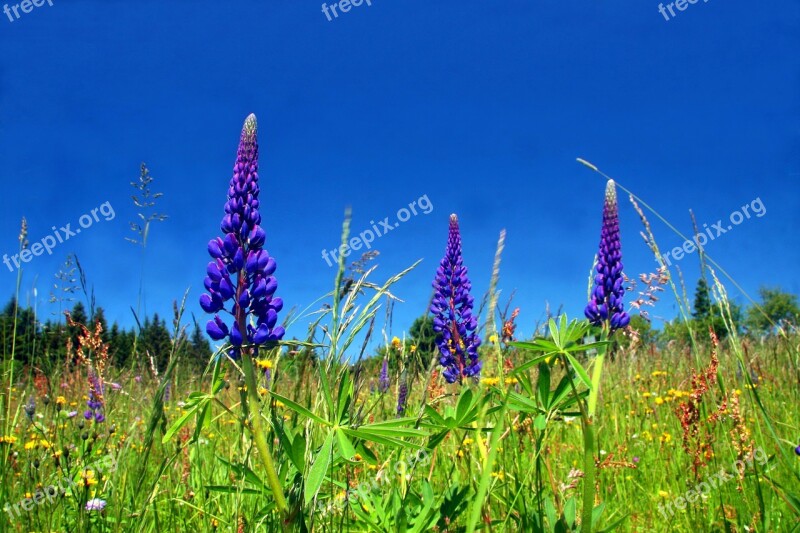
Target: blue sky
481	106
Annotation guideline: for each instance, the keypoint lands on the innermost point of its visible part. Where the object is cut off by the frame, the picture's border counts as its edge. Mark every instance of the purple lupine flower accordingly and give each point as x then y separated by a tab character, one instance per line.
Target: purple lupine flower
606	305
452	313
240	278
95	504
402	394
797	450
383	382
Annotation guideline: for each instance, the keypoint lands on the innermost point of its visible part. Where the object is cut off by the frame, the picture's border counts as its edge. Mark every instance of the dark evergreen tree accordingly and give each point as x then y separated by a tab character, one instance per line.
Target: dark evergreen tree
702	300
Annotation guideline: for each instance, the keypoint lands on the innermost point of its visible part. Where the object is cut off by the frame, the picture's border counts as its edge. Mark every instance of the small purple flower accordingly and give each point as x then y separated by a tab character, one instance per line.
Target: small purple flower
95	504
605	304
239	279
453	320
138	379
402	395
383	383
72	414
636	459
797	450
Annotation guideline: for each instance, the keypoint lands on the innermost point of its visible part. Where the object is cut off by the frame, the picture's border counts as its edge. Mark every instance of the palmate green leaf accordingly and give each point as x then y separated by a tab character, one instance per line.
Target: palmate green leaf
391	431
316	475
464	404
344	396
538	345
579	369
523	404
299	409
543	384
380	438
433	414
325	387
345	446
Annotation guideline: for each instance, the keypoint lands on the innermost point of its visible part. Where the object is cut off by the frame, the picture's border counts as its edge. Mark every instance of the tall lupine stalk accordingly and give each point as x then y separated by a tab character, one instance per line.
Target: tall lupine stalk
241	284
605	306
607	310
452	313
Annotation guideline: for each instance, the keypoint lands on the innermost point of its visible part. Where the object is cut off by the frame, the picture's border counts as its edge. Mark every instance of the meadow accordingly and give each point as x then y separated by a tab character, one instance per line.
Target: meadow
595	423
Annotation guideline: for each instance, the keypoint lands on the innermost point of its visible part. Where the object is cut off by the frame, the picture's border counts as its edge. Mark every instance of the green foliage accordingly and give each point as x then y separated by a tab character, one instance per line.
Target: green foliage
777	307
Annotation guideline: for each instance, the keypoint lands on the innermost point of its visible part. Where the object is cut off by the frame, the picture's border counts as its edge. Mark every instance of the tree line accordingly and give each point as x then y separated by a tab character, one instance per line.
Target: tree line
44	344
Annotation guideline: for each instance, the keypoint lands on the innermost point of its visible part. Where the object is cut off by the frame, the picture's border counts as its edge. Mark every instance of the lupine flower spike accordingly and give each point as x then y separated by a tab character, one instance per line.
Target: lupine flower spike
606	305
240	280
383	383
452	313
402	394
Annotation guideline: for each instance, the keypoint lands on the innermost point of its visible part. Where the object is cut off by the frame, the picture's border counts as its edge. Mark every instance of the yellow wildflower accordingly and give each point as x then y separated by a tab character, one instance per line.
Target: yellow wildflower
396	343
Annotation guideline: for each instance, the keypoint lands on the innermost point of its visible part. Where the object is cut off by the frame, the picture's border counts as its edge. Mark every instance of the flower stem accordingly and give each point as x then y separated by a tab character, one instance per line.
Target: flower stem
259	435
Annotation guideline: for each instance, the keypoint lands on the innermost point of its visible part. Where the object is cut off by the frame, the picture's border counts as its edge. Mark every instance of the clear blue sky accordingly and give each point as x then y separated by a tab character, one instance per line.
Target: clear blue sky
481	106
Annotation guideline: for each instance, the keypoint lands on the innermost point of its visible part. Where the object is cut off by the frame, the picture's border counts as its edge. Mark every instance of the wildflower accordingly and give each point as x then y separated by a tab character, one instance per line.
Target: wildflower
605	305
664	494
241	270
796	450
510	326
396	343
95	504
493	338
88	478
60	400
30	445
383	383
490	382
635	459
264	364
95	399
402	394
30	407
413	348
452	309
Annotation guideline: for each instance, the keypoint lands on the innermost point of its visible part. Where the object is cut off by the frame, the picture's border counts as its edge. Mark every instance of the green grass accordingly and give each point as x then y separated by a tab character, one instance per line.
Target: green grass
525	464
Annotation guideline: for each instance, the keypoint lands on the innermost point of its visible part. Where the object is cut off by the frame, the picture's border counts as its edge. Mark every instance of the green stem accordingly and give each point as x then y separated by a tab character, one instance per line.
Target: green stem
259	434
588	473
588	459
